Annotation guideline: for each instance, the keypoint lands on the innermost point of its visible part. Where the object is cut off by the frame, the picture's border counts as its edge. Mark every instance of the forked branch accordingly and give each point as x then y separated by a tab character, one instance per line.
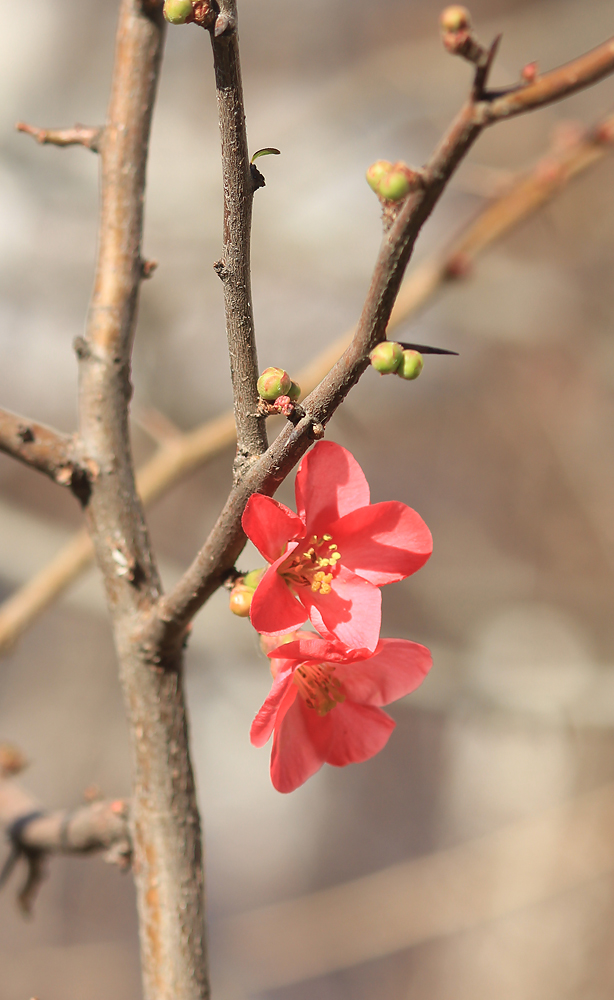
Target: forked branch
226	540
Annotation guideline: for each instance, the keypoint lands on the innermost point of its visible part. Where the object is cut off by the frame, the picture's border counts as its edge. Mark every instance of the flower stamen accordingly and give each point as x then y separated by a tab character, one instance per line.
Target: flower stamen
314	567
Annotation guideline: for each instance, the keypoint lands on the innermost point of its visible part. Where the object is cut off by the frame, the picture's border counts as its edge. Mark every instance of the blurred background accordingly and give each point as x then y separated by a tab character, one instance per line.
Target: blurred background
469	859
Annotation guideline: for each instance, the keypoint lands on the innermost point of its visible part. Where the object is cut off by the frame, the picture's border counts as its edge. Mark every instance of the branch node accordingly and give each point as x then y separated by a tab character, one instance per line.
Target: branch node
257	177
26	434
147	268
221	270
81	348
317	431
225	24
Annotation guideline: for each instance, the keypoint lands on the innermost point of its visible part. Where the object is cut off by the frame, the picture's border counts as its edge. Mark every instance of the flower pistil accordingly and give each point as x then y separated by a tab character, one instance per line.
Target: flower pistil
318	686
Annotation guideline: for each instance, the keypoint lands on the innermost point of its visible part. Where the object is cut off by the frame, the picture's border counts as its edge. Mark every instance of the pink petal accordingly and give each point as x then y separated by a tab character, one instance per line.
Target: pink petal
274	608
270	525
329	484
359	732
397	667
308	646
299	746
383	543
263	724
352	612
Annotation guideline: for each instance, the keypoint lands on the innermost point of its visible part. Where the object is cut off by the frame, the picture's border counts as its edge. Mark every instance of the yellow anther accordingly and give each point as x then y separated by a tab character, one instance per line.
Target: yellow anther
327	538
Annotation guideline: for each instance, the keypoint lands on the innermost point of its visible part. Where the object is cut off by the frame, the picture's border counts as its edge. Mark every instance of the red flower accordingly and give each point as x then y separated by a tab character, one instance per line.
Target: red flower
328	561
324	705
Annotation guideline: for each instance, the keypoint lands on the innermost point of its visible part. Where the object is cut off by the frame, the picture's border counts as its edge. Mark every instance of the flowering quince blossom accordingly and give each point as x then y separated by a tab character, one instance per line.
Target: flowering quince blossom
324	704
329	559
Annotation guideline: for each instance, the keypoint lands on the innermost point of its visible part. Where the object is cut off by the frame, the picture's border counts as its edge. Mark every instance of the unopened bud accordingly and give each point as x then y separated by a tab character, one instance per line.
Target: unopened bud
284	405
412	364
604	133
455	18
375	173
272	383
240	600
177	11
397	182
253	578
386	357
529	73
294	392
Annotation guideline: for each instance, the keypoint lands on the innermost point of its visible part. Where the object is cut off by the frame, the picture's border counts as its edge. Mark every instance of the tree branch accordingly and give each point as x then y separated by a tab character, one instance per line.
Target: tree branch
165	824
234	267
226	540
551	87
178	458
44	449
35	833
79	135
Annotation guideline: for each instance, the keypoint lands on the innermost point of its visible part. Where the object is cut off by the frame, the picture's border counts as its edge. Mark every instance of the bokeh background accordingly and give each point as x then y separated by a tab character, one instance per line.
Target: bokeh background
456	849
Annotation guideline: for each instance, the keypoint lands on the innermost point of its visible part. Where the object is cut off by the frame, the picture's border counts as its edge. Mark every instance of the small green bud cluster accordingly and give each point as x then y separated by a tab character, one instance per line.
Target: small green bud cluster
392	181
388	358
275	382
177	11
243	591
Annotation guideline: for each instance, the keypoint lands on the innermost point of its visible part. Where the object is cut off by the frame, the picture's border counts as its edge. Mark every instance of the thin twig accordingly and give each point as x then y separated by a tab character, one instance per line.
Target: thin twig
79	135
179	458
234	267
226	539
553	86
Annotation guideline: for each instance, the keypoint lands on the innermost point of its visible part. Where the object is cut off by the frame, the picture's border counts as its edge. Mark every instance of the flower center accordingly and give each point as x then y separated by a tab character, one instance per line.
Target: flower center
318	686
315	566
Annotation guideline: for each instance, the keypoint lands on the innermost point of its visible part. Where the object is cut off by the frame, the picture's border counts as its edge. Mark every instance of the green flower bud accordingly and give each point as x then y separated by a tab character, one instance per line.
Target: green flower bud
252	579
386	357
272	383
240	600
411	365
397	183
375	173
455	18
177	11
294	392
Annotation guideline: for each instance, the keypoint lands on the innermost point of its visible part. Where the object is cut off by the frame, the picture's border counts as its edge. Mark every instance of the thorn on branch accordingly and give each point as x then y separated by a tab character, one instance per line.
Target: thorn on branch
79	135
